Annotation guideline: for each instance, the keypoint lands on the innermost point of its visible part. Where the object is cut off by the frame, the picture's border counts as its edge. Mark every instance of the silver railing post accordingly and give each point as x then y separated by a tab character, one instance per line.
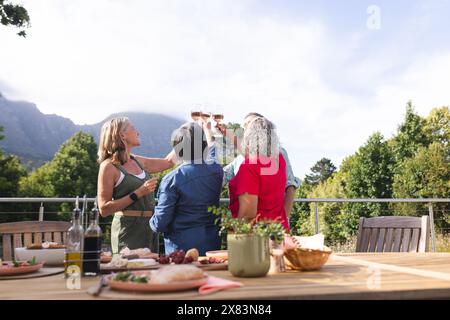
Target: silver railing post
433	234
316	209
41	212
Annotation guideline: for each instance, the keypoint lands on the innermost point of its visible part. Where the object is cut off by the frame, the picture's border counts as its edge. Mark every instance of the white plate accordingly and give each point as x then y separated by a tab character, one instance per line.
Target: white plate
49	256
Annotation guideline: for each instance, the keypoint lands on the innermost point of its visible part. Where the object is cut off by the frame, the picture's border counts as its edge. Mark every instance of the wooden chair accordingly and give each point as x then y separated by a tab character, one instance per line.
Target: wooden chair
393	234
20	234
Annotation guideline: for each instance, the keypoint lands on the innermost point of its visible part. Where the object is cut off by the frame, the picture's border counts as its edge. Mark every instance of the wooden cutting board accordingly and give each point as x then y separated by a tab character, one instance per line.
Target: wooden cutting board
104	269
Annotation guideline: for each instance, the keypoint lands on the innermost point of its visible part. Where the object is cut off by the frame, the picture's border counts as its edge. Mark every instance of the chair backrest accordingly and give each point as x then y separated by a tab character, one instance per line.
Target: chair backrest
393	234
24	233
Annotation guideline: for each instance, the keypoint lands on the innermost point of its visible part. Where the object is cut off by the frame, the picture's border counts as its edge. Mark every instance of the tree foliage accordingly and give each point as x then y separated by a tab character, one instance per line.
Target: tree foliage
14	15
437	126
11	171
321	171
426	175
300	213
370	175
411	135
335	220
414	163
72	172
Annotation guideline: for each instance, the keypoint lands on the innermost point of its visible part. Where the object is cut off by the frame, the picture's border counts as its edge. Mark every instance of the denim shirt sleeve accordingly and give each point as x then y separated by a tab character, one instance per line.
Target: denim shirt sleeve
165	209
228	173
291	180
211	157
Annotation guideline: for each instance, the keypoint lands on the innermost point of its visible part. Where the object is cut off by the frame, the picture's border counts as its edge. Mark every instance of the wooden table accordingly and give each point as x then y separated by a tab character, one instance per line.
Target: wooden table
345	276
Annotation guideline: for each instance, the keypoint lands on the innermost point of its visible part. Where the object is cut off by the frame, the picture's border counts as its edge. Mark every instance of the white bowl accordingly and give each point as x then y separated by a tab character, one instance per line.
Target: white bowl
49	256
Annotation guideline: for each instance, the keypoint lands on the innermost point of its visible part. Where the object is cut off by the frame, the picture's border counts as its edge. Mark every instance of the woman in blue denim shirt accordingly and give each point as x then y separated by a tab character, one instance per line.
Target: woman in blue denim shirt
186	193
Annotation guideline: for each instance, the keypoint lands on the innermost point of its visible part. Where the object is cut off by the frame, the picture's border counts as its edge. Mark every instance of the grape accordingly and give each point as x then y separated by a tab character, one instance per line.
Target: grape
181	253
163	259
188	260
178	260
177	253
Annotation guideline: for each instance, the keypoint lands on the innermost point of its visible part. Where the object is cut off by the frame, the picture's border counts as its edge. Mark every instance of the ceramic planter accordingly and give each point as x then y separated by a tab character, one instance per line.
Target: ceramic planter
248	255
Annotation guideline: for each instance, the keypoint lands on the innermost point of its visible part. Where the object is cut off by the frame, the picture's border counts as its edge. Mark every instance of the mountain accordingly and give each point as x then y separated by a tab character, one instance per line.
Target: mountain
35	137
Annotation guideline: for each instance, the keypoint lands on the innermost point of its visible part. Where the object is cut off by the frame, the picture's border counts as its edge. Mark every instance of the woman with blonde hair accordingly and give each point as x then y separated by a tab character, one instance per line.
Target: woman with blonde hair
125	186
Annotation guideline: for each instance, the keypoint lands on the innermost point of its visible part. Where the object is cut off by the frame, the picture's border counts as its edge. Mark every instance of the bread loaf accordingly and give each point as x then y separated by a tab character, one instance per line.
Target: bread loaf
176	273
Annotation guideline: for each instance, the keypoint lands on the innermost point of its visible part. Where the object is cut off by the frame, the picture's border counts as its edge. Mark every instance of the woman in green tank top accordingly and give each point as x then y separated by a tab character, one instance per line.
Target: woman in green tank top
125	186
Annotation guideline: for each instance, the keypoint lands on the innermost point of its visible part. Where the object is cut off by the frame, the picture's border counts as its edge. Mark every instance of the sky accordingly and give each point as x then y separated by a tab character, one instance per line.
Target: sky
327	73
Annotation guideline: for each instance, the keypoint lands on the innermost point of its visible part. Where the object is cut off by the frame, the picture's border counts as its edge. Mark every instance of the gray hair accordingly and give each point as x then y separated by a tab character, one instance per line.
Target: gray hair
261	139
189	143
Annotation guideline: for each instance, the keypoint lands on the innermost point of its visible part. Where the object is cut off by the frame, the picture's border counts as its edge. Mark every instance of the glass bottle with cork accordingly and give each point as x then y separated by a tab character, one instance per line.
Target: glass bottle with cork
92	244
74	246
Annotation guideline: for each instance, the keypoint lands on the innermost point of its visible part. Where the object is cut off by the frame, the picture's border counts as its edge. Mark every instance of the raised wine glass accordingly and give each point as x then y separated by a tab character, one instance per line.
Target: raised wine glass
205	116
196	114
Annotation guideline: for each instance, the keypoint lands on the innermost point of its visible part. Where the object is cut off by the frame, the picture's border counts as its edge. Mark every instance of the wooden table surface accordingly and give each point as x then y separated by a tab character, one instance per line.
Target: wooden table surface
345	276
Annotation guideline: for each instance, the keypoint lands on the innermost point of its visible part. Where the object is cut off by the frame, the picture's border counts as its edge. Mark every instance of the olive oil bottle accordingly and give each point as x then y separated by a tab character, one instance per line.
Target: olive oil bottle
74	245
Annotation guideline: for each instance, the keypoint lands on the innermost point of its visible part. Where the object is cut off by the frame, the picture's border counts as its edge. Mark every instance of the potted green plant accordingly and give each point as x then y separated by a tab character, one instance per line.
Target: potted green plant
248	242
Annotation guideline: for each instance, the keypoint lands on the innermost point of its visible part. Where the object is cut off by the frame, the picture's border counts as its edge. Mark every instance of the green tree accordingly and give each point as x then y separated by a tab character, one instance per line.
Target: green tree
370	175
300	214
11	171
437	126
233	125
426	175
15	16
321	171
74	167
72	172
336	222
38	183
411	135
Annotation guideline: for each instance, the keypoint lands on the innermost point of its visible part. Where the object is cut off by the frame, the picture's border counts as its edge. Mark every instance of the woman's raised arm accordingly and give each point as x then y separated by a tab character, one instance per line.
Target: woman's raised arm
154	165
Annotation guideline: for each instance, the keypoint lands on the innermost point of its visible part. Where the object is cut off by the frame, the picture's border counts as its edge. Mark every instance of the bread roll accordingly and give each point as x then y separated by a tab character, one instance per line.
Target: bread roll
175	273
193	253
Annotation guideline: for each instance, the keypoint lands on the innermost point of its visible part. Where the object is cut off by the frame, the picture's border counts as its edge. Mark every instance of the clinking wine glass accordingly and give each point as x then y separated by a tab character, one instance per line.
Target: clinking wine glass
196	114
217	119
206	116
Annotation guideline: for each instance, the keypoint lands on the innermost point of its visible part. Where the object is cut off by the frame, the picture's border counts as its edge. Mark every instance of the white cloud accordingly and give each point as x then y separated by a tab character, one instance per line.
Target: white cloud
87	59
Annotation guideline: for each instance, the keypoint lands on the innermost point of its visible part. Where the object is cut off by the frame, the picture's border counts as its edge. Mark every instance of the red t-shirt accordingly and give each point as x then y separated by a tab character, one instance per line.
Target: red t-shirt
266	178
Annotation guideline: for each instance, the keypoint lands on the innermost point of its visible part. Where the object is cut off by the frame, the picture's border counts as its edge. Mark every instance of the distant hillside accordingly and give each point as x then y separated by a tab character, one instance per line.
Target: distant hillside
35	137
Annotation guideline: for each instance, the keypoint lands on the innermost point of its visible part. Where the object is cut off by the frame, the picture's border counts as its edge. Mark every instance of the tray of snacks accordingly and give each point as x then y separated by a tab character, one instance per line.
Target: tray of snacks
52	253
126	253
166	279
120	263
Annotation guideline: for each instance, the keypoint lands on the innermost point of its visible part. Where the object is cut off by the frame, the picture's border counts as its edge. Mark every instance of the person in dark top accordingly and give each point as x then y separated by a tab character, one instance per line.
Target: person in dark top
186	193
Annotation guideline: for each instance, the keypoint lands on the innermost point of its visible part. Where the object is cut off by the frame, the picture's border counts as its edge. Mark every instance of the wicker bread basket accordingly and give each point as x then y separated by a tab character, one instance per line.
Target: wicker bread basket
306	259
